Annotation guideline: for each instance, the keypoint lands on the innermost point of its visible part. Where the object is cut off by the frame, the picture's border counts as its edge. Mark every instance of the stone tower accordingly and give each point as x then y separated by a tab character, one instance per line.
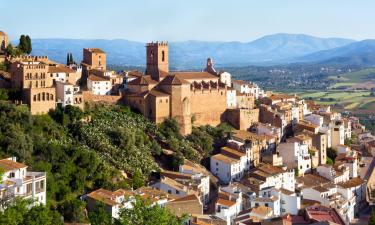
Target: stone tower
157	60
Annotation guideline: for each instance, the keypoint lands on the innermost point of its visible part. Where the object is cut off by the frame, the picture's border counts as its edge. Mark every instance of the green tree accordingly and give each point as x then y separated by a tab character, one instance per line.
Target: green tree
372	219
100	216
18	212
29	47
331	153
137	180
143	213
23	45
3	94
74	211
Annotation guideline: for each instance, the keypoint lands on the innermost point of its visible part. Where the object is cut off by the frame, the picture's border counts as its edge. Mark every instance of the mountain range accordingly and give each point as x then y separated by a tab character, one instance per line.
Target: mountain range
268	50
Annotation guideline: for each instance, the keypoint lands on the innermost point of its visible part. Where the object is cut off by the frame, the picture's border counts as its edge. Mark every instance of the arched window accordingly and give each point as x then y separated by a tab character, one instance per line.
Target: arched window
34	98
43	96
162	56
47	96
38	96
51	96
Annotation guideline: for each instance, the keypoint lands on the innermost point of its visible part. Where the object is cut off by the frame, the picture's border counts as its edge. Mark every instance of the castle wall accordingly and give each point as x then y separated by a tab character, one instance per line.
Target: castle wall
208	106
40	100
159	108
242	119
181	107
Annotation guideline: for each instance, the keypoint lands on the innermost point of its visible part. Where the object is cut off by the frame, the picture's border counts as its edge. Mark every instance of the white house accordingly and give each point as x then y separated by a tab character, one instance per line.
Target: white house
68	94
266	175
99	85
247	87
268	129
336	174
295	155
199	181
226	168
314	119
113	201
337	133
354	187
329	196
228	205
18	182
281	201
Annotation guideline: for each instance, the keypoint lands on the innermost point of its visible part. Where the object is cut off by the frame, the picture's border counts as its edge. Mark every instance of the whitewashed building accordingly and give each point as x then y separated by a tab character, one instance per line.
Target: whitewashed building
295	155
99	85
18	182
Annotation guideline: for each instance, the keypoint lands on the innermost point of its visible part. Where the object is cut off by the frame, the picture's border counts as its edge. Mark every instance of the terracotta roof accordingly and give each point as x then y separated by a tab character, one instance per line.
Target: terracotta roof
232	152
173	80
105	196
60	69
354	182
93	77
158	93
321	189
95	50
175	175
194	75
240	82
224	158
143	80
261	210
186	198
225	202
312	180
246	135
8	165
285	191
322	213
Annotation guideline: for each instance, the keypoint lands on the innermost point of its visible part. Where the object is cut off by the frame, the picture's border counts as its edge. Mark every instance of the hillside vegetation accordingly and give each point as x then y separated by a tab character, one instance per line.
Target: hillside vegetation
83	151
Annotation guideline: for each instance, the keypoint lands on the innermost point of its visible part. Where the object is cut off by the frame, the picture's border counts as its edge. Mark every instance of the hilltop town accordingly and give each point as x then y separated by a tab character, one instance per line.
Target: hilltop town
271	158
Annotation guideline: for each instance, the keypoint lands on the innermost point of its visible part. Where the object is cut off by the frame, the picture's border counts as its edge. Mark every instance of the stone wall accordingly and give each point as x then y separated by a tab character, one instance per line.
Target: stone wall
208	106
109	99
242	119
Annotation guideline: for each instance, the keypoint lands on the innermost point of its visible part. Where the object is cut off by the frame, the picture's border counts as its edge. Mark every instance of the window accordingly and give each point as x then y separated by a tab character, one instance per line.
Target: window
266	204
12	175
256	204
29	188
162	56
177	192
169	192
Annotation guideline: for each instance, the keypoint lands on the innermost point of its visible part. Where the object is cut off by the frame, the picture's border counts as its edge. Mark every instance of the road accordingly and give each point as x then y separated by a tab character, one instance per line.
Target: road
365	172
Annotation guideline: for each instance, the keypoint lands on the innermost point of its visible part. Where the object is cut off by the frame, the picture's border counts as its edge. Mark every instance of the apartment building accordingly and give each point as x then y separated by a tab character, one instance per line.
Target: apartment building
18	182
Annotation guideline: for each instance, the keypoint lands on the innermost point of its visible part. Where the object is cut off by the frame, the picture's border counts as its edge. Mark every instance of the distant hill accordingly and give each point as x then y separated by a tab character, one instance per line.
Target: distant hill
270	49
360	53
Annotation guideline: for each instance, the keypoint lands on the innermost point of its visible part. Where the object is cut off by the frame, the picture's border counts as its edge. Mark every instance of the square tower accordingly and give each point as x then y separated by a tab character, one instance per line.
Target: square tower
95	58
157	60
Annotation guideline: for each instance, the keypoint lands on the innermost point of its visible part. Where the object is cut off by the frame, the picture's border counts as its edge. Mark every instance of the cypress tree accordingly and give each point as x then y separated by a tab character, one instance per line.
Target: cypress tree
23	44
68	59
71	58
28	44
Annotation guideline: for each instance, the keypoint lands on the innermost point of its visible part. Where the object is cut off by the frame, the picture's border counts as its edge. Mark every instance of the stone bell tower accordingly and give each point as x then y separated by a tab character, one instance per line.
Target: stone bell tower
157	57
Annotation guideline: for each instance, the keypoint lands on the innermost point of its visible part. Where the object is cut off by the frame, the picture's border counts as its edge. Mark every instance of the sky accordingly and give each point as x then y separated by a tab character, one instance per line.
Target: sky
180	20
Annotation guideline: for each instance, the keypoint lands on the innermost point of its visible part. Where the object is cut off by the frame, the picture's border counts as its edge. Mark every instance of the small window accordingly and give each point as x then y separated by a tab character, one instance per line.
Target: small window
162	56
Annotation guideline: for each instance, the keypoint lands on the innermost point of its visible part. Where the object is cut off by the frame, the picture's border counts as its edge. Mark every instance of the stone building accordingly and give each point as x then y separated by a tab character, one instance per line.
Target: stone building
192	98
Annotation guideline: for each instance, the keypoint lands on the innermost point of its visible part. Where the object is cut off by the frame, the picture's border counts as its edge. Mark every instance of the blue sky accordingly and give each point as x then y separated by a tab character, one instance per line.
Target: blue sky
178	20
